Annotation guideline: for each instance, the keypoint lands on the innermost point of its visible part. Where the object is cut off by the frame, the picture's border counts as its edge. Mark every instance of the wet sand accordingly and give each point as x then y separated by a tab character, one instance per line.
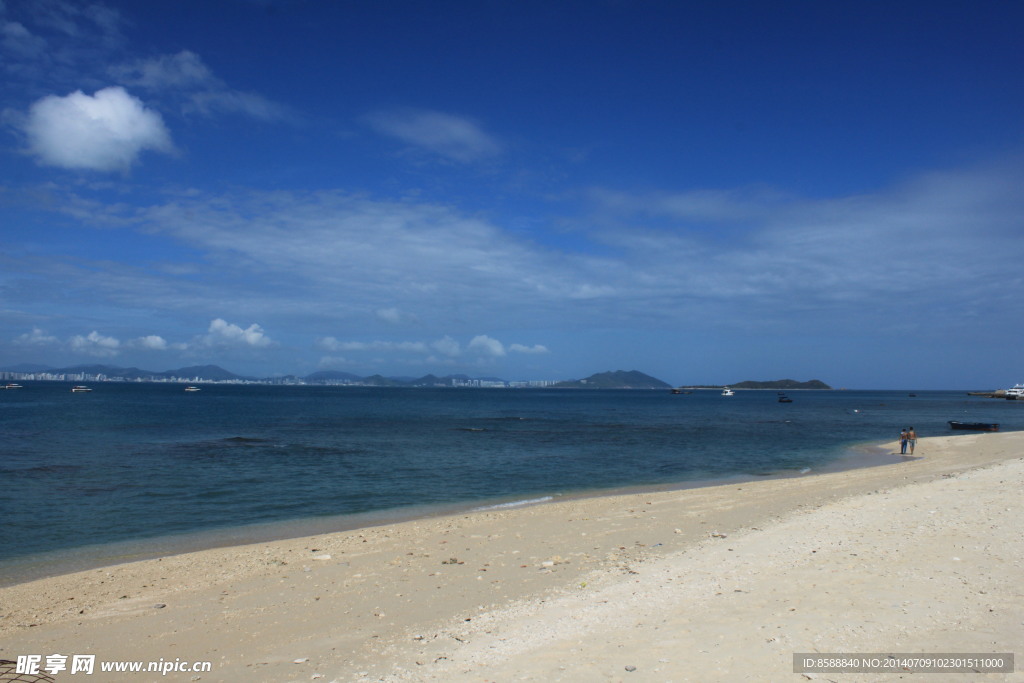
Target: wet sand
716	583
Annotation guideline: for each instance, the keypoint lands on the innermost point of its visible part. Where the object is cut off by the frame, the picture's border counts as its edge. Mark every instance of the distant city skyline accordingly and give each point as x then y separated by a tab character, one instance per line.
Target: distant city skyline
702	192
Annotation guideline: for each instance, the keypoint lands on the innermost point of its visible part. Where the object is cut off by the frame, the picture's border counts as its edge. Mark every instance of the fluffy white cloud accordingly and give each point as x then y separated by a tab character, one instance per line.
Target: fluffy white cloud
102	132
454	137
152	342
487	346
222	333
95	344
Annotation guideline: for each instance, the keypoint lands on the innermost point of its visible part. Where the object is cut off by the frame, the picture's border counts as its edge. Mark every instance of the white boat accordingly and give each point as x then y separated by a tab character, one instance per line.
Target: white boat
79	389
1016	393
728	392
192	389
12	385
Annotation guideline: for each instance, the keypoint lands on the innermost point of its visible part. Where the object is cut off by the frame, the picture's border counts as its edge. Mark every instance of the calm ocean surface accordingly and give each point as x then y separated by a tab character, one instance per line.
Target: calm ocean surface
136	469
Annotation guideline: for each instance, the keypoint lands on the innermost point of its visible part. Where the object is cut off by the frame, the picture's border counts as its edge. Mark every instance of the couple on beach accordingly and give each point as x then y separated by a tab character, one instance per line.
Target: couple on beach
908	437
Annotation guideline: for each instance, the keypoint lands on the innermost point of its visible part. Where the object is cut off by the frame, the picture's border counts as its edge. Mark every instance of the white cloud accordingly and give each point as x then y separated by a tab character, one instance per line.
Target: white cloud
36	337
480	345
487	346
152	342
447	346
450	136
102	132
222	333
535	349
95	344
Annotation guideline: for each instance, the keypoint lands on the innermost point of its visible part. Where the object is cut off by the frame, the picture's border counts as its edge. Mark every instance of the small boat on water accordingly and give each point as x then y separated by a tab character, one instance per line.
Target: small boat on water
975	426
728	392
12	385
784	399
79	389
192	389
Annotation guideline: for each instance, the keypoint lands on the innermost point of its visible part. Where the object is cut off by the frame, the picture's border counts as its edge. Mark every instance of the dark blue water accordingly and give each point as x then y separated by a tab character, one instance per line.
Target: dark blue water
135	461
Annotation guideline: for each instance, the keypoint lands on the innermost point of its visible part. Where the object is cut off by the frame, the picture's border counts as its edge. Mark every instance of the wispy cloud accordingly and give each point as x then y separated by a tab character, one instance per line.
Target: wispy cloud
323	261
58	44
535	349
36	337
480	346
454	137
184	75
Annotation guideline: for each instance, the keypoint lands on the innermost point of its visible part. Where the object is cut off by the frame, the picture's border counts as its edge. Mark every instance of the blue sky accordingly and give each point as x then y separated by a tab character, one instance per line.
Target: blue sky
706	192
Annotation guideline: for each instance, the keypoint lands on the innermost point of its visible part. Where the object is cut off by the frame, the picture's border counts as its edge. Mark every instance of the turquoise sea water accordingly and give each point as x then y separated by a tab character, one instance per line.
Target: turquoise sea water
148	463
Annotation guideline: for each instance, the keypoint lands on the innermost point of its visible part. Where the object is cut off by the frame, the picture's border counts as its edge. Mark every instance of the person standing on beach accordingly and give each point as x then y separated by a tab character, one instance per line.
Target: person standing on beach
911	439
903	441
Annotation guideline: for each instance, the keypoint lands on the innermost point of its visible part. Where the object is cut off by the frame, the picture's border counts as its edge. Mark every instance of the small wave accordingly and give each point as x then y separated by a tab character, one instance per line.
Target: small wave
244	439
805	470
514	504
471	429
42	469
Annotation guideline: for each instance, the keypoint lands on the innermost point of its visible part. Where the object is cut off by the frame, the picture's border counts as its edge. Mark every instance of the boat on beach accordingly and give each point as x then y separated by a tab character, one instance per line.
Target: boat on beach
975	426
80	389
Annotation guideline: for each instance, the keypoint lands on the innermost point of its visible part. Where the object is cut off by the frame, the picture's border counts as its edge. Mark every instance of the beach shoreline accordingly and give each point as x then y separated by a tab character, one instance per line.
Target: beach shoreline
473	596
84	558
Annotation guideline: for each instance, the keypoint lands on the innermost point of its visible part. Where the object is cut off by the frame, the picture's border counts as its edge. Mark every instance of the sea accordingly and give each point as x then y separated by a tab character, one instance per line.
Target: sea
135	470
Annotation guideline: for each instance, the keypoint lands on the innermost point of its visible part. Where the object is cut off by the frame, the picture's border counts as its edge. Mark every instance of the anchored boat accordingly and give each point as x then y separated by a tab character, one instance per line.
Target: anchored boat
975	426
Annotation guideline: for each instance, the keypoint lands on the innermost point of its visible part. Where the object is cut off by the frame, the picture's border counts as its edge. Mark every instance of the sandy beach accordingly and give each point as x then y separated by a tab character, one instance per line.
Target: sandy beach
722	583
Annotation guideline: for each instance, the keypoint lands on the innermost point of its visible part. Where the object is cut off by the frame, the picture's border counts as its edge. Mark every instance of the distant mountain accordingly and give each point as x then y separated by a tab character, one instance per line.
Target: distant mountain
618	379
379	381
207	372
325	376
604	380
108	370
27	367
785	384
212	372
